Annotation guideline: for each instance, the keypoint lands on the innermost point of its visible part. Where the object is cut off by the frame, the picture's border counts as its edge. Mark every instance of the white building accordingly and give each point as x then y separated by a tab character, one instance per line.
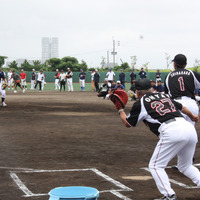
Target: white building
49	48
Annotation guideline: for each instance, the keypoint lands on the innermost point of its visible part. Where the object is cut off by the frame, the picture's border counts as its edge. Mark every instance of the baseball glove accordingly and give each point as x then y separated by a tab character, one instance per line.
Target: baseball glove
119	98
4	86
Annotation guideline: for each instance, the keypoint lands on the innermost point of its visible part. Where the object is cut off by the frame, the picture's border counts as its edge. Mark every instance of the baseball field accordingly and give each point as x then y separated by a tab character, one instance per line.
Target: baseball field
52	139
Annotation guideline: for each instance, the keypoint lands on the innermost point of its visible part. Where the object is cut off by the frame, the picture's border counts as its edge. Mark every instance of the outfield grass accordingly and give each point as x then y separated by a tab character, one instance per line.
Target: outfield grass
88	86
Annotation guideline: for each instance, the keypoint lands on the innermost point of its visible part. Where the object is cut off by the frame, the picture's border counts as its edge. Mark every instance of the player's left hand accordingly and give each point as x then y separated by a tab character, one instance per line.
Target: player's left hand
195	118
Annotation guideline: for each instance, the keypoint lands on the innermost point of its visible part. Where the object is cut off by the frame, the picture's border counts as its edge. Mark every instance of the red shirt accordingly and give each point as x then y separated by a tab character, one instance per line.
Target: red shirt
23	75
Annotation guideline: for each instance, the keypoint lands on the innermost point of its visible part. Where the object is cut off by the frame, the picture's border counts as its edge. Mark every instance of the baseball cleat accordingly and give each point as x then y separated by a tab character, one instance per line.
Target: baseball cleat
173	197
23	90
15	91
4	104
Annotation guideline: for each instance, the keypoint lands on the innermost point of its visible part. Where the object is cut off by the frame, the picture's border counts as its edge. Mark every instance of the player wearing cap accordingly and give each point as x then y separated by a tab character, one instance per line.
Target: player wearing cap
33	79
10	80
133	75
119	86
82	76
40	78
56	76
69	75
142	73
16	78
62	80
110	75
177	137
96	80
2	89
122	77
23	79
180	84
158	76
104	89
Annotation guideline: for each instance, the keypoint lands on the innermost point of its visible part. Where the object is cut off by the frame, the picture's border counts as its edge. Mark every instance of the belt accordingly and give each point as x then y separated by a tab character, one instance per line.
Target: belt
169	121
177	98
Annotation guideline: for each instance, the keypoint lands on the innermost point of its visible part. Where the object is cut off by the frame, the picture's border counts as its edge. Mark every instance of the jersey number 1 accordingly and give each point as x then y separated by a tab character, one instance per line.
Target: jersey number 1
181	83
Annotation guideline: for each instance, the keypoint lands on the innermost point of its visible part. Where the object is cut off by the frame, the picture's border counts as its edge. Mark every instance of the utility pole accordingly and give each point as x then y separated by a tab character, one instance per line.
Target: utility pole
114	52
107	58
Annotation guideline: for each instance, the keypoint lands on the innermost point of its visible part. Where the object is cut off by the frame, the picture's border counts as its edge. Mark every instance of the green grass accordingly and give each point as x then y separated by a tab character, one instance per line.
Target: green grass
88	87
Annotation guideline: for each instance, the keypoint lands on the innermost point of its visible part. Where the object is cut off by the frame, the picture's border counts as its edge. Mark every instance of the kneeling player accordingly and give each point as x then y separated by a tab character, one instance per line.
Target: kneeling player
104	89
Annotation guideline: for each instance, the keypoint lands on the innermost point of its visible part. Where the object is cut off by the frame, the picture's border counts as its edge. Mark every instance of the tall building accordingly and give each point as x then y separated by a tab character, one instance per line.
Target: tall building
49	48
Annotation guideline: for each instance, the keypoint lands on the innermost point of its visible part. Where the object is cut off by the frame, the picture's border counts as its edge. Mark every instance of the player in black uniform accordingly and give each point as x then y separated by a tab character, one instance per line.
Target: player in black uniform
181	83
177	136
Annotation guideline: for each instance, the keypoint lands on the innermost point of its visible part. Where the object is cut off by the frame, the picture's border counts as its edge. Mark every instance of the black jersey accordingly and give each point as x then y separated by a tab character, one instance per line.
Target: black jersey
154	109
182	82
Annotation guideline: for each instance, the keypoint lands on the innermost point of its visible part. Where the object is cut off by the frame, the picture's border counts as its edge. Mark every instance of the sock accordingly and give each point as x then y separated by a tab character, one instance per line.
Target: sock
2	100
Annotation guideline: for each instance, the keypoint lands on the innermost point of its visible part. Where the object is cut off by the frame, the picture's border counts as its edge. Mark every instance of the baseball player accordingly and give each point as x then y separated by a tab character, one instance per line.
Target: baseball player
122	77
176	135
69	75
33	79
82	76
96	80
56	76
158	76
110	75
16	79
119	86
62	80
3	80
180	84
10	80
40	78
92	80
142	73
23	79
104	89
2	89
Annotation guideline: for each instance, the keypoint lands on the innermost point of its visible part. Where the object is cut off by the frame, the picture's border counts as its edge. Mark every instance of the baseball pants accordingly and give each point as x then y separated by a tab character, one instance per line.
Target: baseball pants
40	85
70	85
3	92
56	84
191	104
23	82
10	83
62	83
32	84
82	84
176	138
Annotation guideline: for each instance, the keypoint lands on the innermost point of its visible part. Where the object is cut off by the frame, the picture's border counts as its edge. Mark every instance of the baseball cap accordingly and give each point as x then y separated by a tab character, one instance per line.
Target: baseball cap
180	59
118	81
143	84
106	79
68	68
41	70
81	70
13	70
110	69
33	69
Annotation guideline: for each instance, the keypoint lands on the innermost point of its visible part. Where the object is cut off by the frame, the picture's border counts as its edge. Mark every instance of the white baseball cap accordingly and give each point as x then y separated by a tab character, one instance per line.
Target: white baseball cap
118	81
106	79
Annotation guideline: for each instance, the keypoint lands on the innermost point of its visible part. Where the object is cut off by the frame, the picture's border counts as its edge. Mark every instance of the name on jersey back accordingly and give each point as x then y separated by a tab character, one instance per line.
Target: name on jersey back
180	73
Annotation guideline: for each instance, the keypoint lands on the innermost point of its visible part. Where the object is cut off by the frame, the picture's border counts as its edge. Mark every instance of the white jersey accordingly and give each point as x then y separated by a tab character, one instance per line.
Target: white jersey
62	76
40	77
92	76
9	74
110	76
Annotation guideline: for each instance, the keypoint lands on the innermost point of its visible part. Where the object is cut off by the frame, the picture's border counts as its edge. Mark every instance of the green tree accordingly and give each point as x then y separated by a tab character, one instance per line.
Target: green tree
13	65
37	65
26	66
73	60
83	65
125	66
53	63
2	60
196	65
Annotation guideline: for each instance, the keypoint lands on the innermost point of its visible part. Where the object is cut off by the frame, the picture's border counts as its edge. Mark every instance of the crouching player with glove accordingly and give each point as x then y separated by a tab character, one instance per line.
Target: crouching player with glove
104	89
2	89
177	137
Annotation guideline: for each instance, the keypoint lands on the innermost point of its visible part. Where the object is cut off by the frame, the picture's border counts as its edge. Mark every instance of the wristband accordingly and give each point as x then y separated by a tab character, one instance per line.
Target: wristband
120	110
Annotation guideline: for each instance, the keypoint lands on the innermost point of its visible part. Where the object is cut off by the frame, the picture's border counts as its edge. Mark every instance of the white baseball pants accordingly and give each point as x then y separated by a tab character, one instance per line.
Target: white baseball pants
70	85
57	86
176	138
32	84
191	104
10	83
23	82
3	92
82	82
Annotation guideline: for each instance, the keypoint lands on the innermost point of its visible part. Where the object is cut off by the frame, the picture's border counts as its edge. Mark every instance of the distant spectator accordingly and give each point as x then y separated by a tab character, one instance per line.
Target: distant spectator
92	80
96	80
142	73
110	75
158	76
82	76
160	87
119	86
133	75
122	77
105	89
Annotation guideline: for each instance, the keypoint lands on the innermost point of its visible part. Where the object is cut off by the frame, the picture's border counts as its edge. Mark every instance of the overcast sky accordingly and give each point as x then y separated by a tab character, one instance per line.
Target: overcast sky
86	28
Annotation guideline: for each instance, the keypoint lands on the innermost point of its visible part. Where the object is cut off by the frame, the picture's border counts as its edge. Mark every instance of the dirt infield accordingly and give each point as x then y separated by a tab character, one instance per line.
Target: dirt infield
53	139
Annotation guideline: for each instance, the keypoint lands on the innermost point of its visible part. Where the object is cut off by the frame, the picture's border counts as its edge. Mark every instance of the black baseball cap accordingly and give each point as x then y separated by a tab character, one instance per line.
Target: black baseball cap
180	59
143	84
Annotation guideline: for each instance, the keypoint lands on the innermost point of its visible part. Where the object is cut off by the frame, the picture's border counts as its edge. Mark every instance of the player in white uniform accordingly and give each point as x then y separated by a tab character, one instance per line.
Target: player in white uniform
40	78
110	75
69	75
177	137
2	90
10	80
